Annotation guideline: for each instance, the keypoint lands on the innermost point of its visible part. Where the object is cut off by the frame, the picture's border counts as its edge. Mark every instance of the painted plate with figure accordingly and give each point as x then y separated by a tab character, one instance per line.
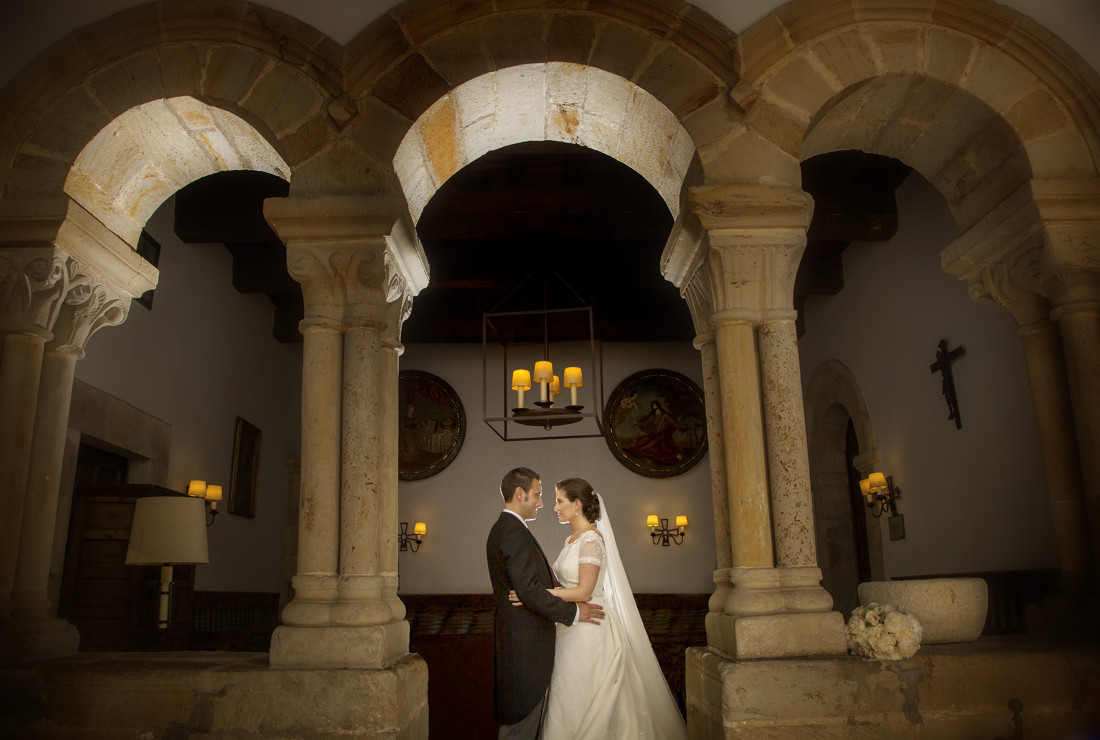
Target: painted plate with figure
431	427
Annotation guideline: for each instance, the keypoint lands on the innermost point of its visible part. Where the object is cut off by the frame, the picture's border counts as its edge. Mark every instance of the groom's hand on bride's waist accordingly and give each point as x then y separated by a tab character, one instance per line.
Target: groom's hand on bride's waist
590	612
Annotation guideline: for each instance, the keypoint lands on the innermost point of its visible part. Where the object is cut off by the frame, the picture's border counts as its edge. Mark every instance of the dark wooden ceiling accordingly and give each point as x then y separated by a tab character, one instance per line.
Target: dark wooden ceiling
543	211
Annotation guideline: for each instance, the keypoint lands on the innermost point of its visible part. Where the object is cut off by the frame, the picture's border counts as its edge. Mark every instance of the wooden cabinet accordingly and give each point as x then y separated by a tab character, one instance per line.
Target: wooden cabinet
112	605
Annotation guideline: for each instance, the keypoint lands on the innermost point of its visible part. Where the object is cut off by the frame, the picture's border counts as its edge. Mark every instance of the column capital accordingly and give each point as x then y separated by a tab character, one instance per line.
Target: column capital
997	285
352	254
756	235
1044	231
32	286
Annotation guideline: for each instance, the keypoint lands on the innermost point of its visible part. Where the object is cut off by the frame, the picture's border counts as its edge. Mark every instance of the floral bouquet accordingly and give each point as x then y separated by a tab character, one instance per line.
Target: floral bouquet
883	631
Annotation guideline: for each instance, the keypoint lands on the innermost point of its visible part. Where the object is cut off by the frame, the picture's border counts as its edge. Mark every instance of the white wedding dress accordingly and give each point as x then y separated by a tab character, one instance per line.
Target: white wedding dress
607	682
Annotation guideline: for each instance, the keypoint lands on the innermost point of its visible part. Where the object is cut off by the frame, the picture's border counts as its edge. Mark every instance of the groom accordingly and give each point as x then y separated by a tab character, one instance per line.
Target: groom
523	637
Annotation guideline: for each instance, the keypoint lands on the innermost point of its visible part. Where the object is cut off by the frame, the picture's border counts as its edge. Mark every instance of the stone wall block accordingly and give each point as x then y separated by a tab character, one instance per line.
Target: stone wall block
284	100
128	83
847	55
566	89
897	138
460	56
900	47
181	68
252	151
423	19
995	80
729	160
1061	155
442	144
800	86
948	56
928	99
35	175
68	125
231	71
524	117
411	87
986	193
780	127
343	168
621	49
706	39
372	52
803	23
570	38
677	80
515	38
1036	115
608	107
762	45
187	159
309	140
655	16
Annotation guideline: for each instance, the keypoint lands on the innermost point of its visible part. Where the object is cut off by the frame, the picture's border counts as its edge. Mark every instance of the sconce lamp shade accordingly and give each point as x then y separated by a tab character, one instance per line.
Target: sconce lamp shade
168	530
544	371
681	521
572	377
197	488
521	380
876	481
652	520
555	386
420	528
213	493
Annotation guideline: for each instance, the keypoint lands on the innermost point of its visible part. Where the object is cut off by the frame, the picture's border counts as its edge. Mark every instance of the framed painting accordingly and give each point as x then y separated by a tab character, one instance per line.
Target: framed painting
246	470
431	427
655	423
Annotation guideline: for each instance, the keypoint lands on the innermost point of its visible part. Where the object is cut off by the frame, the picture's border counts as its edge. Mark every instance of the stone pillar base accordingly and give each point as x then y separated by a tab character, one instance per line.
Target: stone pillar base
785	635
212	695
949	691
36	639
365	646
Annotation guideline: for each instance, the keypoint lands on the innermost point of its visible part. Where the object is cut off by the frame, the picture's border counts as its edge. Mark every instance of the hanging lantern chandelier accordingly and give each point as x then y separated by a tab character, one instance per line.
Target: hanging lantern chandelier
522	341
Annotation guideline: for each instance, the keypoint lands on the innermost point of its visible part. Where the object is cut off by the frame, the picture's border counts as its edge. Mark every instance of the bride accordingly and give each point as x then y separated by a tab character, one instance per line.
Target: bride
606	681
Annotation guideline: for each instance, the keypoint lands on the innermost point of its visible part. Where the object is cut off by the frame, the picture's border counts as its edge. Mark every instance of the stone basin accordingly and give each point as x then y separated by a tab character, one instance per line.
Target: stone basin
949	609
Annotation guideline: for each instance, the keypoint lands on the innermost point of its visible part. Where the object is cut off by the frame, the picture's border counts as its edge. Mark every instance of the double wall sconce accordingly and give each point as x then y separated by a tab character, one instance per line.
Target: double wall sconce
880	494
212	494
661	533
407	541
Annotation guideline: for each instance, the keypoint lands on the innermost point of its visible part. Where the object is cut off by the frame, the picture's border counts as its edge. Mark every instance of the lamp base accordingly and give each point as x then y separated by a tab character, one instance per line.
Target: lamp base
547	417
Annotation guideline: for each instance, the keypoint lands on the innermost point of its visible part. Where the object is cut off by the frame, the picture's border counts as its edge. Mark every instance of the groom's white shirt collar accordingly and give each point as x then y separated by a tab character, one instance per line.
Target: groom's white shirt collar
517	516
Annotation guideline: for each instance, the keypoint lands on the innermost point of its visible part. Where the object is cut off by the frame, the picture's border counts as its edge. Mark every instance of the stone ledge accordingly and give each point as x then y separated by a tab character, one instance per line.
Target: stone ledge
210	695
944	691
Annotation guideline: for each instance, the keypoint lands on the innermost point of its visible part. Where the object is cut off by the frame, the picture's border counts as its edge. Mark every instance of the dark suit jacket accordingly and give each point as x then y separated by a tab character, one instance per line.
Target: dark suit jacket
523	636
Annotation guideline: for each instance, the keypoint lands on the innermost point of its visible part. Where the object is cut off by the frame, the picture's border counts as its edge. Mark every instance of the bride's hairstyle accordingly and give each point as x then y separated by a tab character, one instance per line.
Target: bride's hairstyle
578	489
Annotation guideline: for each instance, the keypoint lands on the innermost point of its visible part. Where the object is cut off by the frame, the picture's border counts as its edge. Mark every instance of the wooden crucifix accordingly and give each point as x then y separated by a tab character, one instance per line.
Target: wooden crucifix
942	365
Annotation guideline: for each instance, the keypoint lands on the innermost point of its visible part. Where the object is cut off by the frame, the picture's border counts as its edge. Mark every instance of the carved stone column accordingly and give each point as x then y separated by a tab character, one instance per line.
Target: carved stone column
775	608
1044	239
32	285
346	252
88	277
1050	399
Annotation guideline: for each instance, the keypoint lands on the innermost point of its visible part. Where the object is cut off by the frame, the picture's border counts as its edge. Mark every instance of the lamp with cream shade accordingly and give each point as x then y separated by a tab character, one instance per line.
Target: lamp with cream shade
880	494
168	531
661	533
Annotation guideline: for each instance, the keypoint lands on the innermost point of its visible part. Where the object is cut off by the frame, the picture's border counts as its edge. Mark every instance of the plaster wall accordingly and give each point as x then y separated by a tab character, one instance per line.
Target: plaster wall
974	499
203	356
460	503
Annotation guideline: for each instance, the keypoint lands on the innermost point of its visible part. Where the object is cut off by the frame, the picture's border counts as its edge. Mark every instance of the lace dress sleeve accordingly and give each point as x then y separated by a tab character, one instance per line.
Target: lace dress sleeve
592	549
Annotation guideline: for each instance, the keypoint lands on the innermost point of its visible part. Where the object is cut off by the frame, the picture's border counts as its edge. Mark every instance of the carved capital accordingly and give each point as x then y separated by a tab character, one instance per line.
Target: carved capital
352	254
1051	227
91	304
751	207
33	283
1007	289
754	279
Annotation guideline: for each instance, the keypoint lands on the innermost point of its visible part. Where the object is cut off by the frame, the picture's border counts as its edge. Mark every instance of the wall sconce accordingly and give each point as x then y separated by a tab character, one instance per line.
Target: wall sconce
167	531
412	541
880	494
212	494
661	533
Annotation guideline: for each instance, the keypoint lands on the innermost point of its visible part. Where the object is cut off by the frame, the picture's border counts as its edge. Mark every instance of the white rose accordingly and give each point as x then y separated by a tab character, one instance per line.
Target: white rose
896	622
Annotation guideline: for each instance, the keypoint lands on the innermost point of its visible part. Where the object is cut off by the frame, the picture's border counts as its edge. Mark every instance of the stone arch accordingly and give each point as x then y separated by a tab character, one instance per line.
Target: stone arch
152	150
833	398
259	83
546	102
978	98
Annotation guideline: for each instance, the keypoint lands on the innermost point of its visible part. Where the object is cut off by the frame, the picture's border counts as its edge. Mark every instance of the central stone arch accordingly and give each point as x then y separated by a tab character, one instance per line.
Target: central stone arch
555	101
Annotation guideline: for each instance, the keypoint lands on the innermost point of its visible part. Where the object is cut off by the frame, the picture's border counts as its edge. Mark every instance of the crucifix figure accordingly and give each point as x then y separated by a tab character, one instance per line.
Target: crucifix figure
944	358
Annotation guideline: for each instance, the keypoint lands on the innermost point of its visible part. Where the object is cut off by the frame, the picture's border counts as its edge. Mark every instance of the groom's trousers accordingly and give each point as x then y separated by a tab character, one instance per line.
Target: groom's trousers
527	728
